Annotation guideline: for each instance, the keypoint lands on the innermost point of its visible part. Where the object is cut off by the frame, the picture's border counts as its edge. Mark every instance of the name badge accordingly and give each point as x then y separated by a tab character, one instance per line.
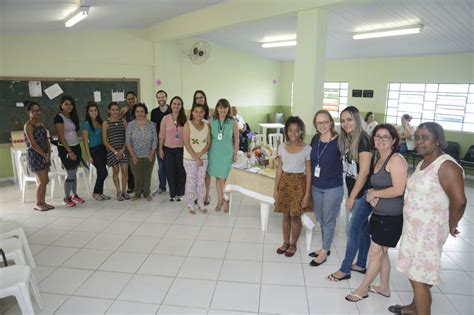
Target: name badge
219	136
317	171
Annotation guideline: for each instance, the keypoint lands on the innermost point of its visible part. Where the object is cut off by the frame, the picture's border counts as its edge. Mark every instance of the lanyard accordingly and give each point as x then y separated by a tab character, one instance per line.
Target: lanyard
220	127
318	153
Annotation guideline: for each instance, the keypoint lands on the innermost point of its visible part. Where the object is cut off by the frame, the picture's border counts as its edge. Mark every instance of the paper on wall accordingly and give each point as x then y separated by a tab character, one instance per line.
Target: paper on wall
20	104
118	96
53	91
35	88
97	96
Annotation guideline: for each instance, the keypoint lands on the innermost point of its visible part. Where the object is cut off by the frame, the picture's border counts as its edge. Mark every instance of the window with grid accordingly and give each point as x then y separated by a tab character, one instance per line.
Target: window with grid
450	105
335	97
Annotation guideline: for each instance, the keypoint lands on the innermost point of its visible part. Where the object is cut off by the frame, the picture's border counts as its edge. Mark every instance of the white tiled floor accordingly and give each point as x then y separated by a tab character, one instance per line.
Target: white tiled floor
154	258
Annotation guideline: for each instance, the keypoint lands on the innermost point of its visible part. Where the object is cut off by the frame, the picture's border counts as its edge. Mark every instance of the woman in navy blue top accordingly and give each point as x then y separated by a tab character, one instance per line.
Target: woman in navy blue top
327	188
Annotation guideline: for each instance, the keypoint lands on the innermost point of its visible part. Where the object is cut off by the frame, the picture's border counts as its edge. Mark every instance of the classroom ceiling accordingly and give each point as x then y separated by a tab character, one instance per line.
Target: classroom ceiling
448	24
448	28
26	16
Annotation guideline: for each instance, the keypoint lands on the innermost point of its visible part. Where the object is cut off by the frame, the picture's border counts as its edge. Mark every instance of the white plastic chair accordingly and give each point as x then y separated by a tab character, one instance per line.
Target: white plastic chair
26	176
9	229
260	139
274	139
13	250
58	168
16	281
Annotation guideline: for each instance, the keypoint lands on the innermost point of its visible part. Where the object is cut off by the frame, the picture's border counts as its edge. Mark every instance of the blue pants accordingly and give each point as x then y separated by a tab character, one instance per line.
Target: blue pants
161	173
326	206
358	238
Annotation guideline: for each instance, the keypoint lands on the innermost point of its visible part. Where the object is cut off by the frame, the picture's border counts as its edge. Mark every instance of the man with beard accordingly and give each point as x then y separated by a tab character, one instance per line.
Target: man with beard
157	115
128	114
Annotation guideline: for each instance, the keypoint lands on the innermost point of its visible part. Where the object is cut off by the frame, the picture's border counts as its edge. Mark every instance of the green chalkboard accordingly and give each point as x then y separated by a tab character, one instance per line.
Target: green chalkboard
16	90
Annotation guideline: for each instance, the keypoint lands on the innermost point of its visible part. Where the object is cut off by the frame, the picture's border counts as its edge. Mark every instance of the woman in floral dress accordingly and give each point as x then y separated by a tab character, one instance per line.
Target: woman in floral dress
434	204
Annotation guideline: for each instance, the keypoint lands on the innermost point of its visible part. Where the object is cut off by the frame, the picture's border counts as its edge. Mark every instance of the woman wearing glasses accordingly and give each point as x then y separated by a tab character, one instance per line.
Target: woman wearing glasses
388	182
327	188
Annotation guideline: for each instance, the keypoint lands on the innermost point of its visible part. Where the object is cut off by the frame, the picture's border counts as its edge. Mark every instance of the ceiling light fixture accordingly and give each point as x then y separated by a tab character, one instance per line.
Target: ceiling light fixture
386	32
78	15
286	43
279	38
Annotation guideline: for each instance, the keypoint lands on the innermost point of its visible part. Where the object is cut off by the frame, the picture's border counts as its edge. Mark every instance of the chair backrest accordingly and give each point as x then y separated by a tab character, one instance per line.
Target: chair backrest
274	140
469	156
23	163
56	164
453	149
260	139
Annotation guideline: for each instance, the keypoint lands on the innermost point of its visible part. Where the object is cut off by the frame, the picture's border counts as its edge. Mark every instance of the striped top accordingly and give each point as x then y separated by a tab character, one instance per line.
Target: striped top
116	134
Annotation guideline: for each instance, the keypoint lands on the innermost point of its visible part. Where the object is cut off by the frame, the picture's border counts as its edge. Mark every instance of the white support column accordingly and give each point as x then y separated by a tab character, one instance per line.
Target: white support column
309	65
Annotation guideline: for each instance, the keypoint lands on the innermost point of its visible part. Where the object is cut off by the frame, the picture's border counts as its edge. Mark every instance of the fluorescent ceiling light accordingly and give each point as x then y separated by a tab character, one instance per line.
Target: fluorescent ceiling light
279	38
385	32
77	16
279	44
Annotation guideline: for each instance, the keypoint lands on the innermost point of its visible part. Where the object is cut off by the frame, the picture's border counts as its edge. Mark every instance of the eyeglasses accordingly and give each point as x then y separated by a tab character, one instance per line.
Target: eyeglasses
382	138
199	97
422	138
323	123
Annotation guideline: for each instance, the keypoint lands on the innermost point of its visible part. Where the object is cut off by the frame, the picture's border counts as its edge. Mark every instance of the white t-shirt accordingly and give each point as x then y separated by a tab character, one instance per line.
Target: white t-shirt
294	162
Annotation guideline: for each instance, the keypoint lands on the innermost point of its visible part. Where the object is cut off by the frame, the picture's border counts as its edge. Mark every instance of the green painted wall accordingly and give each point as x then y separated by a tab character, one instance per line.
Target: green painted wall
247	81
376	73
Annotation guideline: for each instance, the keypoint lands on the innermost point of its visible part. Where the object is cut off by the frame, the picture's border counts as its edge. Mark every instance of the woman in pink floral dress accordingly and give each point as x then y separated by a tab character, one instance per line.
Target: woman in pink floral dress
434	204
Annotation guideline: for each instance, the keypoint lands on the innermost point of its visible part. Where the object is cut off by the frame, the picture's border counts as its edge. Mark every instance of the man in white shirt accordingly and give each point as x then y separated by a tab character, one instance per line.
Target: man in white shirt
238	118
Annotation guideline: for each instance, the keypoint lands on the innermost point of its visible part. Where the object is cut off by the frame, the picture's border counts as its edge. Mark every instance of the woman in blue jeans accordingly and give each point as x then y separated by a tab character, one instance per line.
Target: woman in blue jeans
354	145
327	188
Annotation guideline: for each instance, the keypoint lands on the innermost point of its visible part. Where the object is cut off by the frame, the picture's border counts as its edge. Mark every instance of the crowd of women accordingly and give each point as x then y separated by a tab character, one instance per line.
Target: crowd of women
383	202
128	143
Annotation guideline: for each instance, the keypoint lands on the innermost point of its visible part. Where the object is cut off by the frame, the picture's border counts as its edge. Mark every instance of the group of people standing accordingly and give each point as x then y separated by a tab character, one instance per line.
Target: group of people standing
189	150
383	202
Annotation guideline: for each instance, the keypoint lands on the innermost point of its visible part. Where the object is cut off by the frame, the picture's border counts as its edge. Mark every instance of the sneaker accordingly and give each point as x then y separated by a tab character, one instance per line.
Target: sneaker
105	197
126	196
179	198
172	198
68	202
77	199
129	191
119	196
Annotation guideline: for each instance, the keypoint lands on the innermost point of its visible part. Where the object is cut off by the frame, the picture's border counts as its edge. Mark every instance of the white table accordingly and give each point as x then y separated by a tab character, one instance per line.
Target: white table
260	187
265	126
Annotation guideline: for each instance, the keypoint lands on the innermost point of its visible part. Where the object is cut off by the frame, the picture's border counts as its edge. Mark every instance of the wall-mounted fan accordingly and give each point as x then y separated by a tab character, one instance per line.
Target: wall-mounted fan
200	52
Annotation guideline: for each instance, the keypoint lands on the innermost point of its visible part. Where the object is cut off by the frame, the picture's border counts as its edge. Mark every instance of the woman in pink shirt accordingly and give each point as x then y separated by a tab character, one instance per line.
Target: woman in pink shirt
171	148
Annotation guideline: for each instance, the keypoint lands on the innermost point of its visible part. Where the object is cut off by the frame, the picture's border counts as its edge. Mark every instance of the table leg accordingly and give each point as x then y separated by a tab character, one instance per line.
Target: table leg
230	202
264	212
308	238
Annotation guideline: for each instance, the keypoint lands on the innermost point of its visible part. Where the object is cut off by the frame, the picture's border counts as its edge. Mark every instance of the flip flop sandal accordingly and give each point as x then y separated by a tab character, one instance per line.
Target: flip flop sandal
371	289
50	207
331	277
290	254
40	208
397	309
355	297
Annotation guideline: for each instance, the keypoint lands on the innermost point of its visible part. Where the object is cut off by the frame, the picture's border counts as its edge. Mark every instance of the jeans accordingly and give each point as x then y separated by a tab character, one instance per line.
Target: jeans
142	170
358	238
175	172
99	156
161	173
326	206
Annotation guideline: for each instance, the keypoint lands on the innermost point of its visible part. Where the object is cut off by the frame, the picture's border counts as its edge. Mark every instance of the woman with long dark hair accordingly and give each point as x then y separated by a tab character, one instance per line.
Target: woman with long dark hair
95	150
388	182
200	98
171	148
66	123
38	153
